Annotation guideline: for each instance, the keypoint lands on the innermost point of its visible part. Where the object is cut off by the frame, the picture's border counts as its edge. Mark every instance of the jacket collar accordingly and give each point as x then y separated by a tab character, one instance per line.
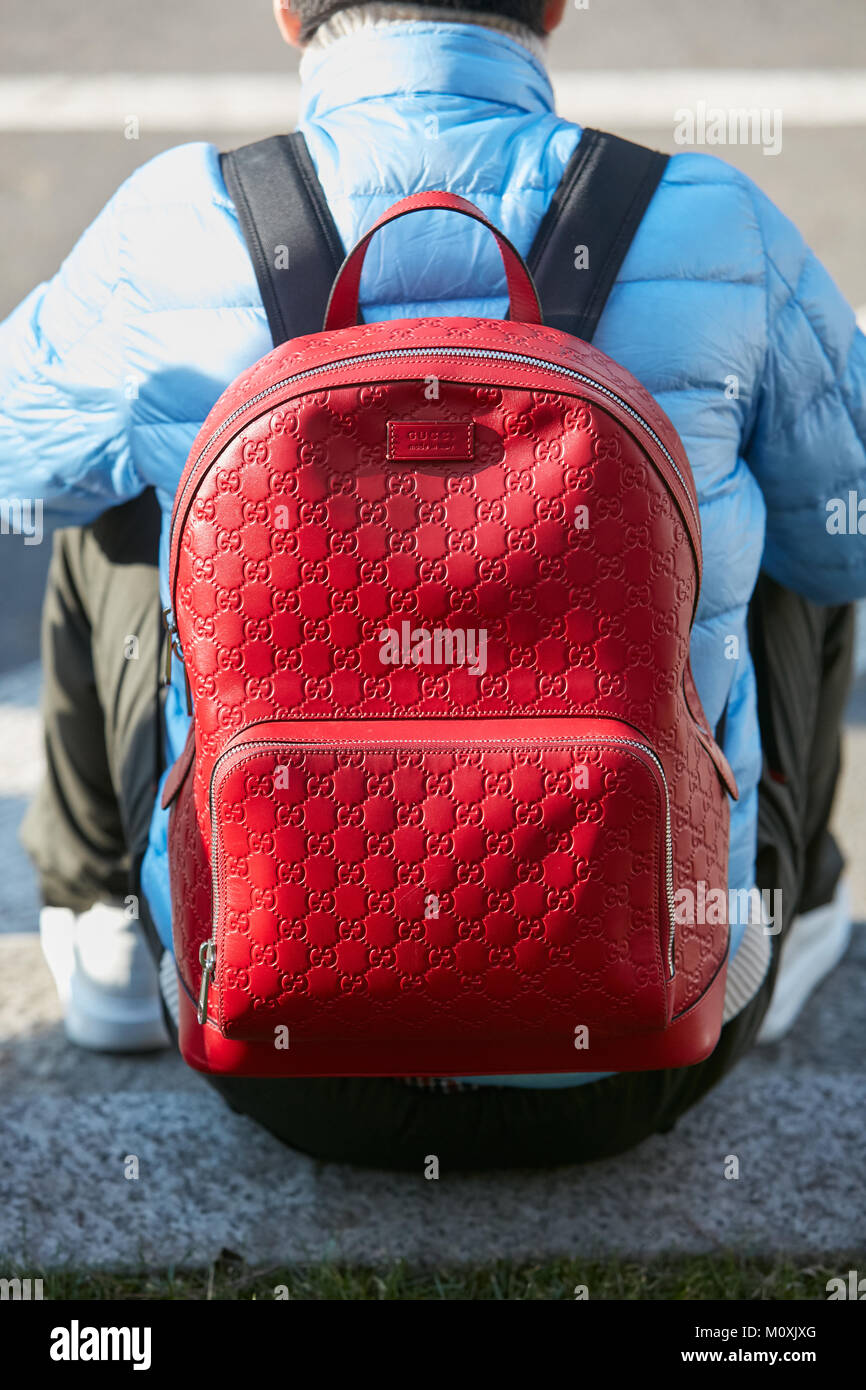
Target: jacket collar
419	57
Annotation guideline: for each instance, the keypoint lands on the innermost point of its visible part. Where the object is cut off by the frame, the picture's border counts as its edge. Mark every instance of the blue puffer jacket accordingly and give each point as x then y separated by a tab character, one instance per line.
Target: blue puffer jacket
107	372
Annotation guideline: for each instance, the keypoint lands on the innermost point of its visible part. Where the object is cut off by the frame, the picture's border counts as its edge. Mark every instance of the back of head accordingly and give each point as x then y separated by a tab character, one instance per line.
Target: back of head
528	13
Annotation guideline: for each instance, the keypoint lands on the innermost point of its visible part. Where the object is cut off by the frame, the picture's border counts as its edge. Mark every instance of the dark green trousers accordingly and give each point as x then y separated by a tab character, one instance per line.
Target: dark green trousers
101	642
88	827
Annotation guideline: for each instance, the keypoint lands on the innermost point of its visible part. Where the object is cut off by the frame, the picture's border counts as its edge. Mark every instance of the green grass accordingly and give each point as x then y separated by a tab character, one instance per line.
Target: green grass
724	1276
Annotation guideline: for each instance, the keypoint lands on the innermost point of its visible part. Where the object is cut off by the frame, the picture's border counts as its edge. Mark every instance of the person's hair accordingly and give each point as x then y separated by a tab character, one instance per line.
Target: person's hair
530	13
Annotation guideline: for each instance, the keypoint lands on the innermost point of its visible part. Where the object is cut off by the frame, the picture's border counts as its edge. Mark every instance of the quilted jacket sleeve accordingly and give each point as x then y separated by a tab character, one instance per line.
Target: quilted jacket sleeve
64	388
808	444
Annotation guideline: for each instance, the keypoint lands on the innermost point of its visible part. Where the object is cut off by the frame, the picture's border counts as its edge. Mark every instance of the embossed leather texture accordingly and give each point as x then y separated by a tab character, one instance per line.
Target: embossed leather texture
421	866
450	766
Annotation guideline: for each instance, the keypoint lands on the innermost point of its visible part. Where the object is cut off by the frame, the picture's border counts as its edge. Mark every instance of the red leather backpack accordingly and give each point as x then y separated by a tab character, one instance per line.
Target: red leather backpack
432	583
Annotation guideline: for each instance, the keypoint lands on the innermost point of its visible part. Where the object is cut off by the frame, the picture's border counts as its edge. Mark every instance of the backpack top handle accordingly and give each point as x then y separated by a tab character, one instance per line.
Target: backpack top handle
342	311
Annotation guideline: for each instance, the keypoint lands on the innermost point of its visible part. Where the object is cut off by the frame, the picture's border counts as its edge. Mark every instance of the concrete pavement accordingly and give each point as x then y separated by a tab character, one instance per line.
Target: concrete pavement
794	1114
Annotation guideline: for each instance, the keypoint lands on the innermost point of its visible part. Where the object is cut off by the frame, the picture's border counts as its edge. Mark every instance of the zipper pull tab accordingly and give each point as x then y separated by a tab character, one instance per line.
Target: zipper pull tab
207	961
173	646
167	624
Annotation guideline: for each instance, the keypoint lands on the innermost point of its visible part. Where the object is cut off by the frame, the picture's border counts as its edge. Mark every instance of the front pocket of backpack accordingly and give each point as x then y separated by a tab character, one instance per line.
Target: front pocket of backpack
440	878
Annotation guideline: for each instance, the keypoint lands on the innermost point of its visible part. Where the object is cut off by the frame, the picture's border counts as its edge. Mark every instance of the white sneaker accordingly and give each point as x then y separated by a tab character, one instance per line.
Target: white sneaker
813	947
105	978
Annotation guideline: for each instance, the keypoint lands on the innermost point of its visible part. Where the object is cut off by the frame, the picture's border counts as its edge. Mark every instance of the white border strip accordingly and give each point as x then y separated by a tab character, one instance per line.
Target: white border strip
202	103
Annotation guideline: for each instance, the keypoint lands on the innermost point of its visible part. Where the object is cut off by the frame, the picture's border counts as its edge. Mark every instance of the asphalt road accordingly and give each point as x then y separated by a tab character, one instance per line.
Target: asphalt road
234	35
53	183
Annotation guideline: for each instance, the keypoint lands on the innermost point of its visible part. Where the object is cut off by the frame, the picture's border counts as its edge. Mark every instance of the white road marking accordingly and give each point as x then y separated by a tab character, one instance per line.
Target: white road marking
239	102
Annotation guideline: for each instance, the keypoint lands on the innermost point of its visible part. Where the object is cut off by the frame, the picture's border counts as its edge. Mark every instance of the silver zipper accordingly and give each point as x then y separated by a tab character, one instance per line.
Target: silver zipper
173	644
486	354
207	961
207	952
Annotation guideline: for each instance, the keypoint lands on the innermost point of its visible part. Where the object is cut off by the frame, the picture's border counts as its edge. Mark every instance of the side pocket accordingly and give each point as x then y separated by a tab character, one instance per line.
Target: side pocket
722	766
720	762
175	779
189	870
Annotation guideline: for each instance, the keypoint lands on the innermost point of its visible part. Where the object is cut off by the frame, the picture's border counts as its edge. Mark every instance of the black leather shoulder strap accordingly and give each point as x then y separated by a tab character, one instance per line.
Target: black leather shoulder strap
604	193
293	242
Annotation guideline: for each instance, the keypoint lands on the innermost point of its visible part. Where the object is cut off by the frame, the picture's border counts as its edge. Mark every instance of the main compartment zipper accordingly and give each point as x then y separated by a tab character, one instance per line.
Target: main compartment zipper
207	951
391	354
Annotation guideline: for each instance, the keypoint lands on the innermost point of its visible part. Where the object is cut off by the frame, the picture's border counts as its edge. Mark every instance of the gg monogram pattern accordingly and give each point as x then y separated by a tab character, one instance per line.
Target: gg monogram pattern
571	541
427	873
